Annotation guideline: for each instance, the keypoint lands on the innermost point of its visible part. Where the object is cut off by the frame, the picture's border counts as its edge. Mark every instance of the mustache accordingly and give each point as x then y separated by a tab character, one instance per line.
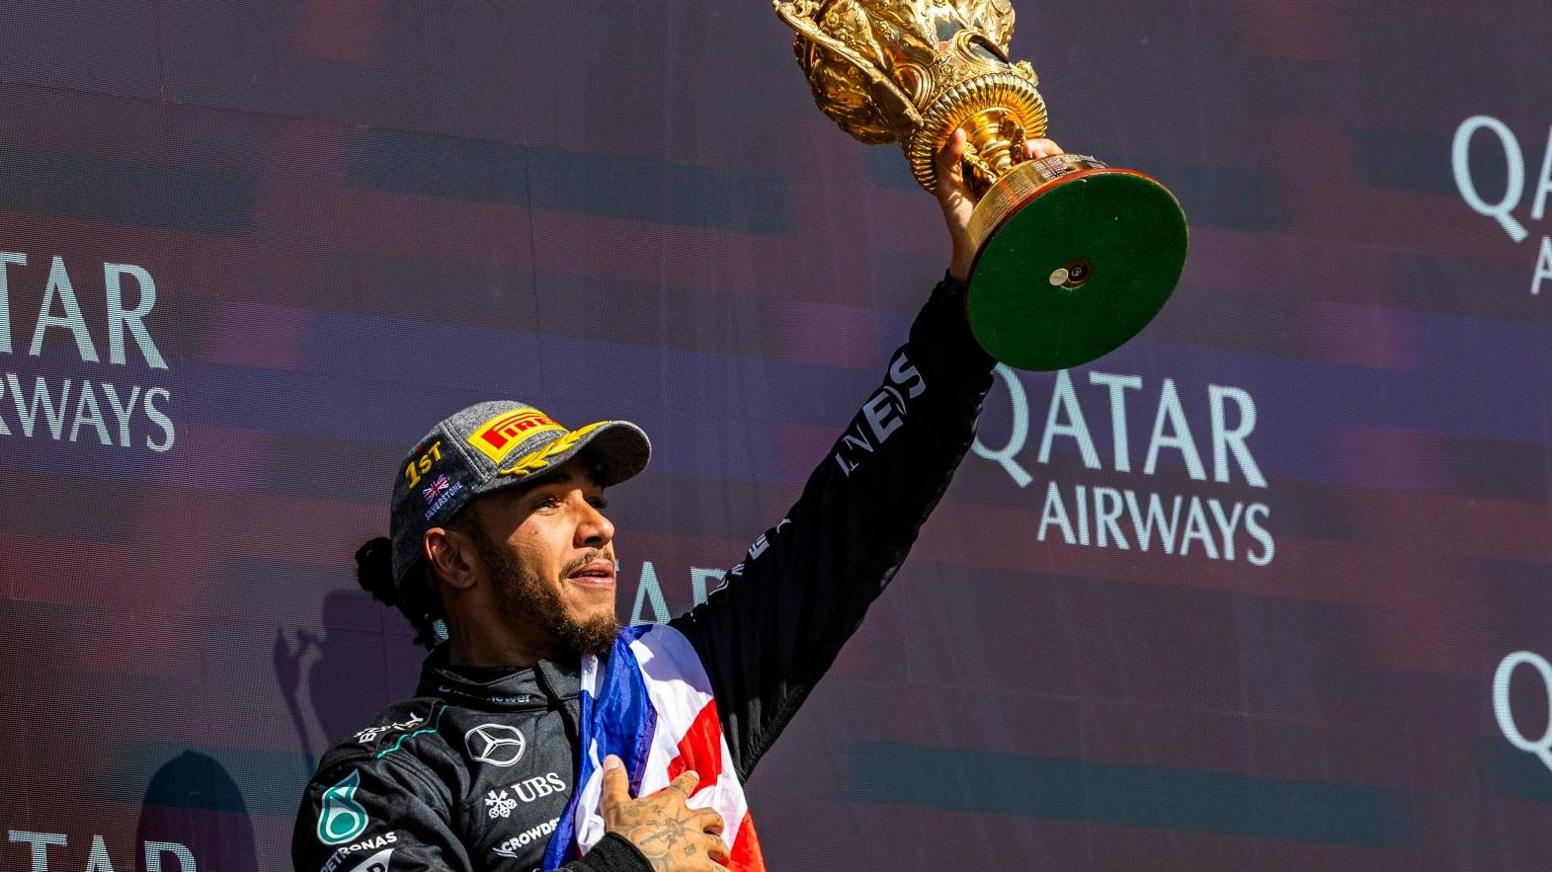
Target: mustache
587	557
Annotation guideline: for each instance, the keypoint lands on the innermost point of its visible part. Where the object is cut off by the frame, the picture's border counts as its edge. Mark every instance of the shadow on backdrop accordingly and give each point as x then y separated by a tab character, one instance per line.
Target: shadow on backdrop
193	809
329	666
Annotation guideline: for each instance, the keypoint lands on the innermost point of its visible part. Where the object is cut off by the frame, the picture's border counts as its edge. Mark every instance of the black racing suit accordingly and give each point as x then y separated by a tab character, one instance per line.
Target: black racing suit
473	772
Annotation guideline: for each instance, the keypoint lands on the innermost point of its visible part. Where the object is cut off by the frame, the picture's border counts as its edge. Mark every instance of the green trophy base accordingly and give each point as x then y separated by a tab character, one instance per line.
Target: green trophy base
1074	266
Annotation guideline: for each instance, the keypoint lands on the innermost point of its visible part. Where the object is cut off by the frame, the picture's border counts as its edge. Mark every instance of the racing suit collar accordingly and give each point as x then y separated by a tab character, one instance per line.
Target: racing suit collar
499	687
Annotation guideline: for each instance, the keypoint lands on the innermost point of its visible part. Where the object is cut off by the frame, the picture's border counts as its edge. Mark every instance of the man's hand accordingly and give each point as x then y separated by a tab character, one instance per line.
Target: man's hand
672	836
957	200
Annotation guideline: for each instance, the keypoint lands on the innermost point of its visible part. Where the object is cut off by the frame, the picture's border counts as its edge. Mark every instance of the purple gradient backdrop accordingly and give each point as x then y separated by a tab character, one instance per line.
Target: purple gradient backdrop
361	214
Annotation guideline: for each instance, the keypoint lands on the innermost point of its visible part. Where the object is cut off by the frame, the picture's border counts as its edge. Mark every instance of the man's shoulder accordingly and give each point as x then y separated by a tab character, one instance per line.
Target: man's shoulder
397	724
370	782
405	733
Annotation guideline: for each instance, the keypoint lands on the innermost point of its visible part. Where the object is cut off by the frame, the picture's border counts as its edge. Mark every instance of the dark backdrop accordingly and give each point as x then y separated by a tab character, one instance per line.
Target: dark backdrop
357	215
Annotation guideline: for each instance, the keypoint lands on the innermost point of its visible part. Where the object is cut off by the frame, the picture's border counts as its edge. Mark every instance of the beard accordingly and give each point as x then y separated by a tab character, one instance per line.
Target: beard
524	597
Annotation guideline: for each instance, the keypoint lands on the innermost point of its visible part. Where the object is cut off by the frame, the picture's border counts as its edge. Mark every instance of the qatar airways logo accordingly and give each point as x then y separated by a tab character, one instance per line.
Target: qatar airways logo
105	395
1541	745
652	606
1204	523
1487	132
33	851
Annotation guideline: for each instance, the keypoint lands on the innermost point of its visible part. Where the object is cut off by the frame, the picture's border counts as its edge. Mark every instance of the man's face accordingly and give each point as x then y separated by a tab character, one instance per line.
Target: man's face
549	551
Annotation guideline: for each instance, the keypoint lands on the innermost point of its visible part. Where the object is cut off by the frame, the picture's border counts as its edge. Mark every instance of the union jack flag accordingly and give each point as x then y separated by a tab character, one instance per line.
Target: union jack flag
651	705
438	484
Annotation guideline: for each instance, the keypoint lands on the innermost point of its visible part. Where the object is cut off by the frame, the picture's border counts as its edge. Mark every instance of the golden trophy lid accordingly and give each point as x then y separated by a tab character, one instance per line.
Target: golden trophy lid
911	71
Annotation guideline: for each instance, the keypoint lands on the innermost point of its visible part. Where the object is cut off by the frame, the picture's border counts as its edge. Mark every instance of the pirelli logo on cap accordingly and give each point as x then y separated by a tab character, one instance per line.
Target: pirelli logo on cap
499	436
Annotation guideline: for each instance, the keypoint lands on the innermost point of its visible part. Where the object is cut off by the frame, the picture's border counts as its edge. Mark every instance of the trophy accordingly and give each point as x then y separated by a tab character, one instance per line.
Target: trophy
1073	257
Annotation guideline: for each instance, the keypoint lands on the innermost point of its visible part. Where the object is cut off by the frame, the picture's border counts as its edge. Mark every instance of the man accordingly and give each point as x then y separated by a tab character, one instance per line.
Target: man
537	717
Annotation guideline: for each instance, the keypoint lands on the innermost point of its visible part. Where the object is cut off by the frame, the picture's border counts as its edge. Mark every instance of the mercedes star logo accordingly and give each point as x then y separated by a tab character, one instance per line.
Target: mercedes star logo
496	744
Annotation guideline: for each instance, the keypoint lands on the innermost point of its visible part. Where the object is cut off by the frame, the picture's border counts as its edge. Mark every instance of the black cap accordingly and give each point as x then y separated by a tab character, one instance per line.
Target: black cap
489	446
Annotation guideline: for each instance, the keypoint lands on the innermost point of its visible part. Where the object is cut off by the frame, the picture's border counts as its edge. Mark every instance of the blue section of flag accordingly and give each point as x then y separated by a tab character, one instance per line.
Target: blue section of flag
621	721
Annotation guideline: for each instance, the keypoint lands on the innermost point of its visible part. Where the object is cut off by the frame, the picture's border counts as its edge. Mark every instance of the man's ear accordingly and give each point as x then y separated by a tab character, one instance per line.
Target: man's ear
451	555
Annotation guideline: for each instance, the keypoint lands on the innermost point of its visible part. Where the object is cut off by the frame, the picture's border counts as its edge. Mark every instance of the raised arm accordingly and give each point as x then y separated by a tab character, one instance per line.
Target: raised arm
769	635
773	630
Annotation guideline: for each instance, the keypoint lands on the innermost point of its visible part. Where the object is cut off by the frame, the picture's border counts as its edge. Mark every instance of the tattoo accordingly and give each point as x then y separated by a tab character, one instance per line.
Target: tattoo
657	831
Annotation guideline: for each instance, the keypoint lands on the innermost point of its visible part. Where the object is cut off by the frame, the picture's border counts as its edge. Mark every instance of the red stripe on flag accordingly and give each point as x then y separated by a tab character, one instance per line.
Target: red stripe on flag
746	855
701	748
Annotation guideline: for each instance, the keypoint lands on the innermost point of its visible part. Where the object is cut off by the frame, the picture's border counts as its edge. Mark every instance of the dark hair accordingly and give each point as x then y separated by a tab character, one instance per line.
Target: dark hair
417	598
420	598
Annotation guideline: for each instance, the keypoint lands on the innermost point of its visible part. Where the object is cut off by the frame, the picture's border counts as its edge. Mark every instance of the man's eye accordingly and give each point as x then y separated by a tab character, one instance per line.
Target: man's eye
549	502
599	503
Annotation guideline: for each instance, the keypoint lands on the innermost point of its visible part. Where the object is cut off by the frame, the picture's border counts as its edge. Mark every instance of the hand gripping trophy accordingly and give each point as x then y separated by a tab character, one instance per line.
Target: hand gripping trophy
1073	257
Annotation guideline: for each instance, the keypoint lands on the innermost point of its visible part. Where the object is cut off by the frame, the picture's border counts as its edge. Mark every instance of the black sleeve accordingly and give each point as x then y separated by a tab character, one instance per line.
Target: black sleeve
613	853
394	814
773	630
357	808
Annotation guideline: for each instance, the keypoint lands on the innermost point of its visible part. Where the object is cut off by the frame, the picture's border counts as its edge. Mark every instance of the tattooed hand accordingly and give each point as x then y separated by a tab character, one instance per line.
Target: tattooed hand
672	836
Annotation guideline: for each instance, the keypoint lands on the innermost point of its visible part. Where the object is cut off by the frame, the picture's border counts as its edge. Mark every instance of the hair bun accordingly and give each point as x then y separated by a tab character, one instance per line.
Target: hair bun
374	570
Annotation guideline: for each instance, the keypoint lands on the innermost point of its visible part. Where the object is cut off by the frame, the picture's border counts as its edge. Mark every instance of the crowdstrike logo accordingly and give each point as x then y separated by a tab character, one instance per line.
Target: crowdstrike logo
1087	515
527	837
496	744
1514	197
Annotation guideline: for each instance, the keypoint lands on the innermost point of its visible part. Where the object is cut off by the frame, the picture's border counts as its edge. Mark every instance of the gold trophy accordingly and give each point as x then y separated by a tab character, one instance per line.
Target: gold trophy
1073	257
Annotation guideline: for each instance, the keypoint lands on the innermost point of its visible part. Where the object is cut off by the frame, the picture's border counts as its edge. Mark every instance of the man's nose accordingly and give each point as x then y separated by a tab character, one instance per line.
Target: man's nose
593	529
